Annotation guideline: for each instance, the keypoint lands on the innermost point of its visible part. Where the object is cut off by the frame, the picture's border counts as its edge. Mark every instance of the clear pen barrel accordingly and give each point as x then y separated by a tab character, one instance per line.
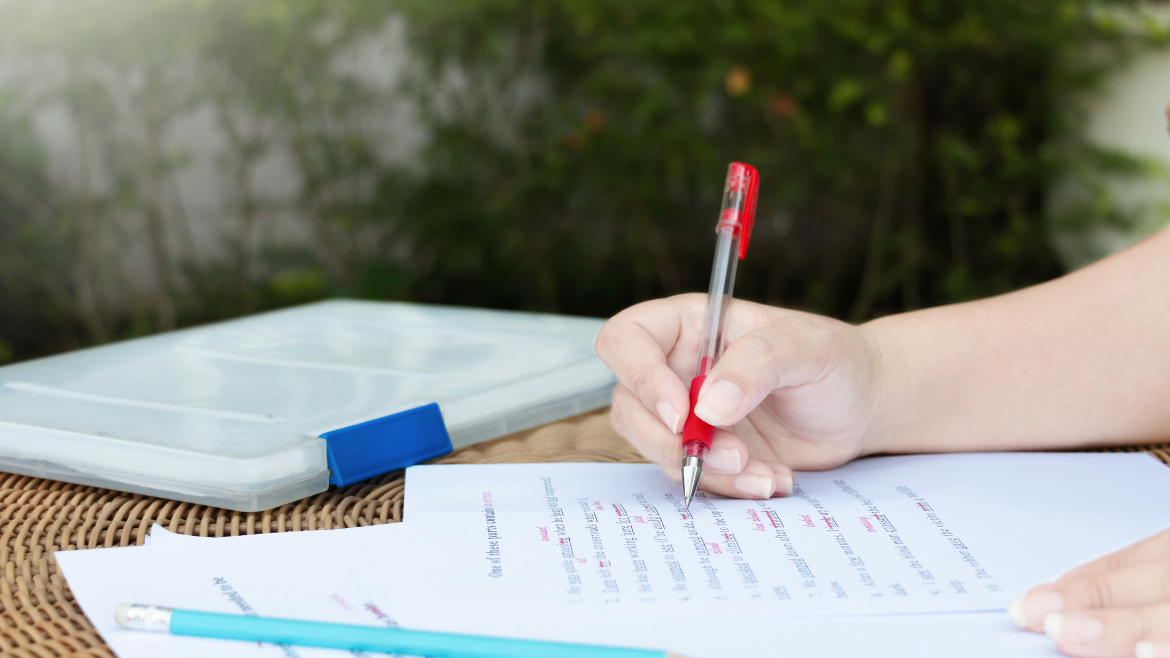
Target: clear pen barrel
734	227
719	296
737	196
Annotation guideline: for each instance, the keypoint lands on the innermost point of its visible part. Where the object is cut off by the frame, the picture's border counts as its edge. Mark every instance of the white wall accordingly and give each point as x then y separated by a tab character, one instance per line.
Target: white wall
1129	113
201	218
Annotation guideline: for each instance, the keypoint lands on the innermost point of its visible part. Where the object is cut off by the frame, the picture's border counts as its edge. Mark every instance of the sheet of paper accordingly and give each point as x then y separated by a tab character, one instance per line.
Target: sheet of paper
345	576
1020	520
929	533
306	540
179	568
954	635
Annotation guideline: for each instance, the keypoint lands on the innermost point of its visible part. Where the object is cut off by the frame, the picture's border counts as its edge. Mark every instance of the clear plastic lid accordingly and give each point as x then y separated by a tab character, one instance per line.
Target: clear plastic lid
234	414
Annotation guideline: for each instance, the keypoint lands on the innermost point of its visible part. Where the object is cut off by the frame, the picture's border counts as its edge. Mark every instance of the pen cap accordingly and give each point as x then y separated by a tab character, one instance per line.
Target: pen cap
739	202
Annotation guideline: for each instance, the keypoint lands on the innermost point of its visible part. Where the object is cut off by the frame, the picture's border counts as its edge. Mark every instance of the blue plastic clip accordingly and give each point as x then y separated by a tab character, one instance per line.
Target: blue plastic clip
385	444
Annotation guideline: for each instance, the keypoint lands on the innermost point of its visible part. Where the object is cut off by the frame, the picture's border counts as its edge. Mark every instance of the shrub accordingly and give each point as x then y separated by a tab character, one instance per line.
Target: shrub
573	152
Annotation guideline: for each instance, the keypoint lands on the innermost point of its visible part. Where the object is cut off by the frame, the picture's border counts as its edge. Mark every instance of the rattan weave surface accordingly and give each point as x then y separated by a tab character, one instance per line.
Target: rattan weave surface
40	619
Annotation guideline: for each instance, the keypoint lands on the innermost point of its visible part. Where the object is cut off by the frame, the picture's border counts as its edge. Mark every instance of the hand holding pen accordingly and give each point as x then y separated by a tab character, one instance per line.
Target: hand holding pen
771	389
1040	368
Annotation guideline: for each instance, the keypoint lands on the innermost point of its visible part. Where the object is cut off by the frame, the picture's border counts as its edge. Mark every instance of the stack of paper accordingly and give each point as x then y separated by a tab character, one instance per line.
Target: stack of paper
901	555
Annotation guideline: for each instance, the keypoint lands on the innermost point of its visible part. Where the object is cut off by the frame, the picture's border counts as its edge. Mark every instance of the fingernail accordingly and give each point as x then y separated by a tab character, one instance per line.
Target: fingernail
727	460
1147	649
1075	629
668	416
718	401
1031	609
756	486
784	484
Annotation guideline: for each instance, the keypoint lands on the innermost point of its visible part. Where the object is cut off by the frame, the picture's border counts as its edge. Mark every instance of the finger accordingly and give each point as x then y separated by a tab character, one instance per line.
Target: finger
1113	633
728	453
722	481
756	479
634	344
790	352
634	421
643	429
1150	548
1146	583
782	476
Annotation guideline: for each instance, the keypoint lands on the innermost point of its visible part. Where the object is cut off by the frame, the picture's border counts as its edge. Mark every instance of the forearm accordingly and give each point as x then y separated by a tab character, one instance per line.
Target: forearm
1081	360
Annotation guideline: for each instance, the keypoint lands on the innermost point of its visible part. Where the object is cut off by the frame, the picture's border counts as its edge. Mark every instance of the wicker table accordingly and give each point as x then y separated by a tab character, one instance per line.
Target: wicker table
40	619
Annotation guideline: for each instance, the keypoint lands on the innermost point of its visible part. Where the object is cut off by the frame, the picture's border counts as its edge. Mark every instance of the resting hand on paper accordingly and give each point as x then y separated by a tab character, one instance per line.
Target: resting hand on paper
1107	607
794	390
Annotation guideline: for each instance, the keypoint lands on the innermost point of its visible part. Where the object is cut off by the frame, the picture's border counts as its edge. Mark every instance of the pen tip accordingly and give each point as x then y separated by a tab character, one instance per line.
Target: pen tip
692	471
687	502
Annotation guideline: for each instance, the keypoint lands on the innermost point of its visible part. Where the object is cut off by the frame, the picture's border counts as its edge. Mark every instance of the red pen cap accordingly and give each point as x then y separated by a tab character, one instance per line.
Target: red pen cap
739	202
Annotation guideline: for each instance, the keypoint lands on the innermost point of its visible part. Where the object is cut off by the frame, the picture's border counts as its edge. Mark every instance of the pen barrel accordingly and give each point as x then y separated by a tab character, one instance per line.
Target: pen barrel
718	299
732	233
384	640
697	433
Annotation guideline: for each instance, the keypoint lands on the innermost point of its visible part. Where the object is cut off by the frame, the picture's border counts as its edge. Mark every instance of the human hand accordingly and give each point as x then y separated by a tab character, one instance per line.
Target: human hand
791	391
1115	607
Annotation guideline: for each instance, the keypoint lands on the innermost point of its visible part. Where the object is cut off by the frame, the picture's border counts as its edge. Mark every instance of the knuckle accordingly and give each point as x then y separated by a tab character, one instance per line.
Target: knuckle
800	323
766	352
617	415
642	380
636	379
629	418
604	339
814	332
758	347
823	334
1100	591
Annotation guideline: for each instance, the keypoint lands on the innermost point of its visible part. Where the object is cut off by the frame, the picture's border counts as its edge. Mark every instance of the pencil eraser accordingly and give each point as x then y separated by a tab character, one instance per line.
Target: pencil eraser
122	615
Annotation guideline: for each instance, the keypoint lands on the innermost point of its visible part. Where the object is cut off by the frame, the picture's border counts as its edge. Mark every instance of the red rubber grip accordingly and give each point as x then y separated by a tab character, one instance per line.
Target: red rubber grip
697	429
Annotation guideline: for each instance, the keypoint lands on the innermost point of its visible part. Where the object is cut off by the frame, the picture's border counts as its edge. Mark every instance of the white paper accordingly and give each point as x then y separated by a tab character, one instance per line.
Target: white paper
928	533
307	539
273	580
954	635
344	576
1024	518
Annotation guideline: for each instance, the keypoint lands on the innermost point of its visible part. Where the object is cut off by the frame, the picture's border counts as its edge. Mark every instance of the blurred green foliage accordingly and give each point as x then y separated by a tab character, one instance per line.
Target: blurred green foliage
573	157
904	147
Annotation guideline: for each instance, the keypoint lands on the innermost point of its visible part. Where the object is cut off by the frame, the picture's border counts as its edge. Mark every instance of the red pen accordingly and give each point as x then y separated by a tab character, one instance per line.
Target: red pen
734	230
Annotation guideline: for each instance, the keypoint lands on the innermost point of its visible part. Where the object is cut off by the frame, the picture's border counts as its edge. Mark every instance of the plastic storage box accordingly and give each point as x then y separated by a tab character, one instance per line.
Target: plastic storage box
257	412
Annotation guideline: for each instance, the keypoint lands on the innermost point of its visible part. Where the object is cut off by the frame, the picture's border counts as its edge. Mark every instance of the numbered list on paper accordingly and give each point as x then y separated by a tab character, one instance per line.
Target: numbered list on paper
618	538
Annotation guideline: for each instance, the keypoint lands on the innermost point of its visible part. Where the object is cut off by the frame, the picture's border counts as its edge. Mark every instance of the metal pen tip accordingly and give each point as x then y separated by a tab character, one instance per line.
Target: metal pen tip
692	472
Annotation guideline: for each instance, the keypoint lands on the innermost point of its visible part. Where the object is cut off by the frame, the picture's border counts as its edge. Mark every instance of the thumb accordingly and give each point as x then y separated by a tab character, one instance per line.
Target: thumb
789	352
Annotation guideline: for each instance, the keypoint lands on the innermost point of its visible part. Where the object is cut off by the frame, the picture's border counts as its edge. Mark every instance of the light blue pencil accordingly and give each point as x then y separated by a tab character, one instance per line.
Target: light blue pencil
357	638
